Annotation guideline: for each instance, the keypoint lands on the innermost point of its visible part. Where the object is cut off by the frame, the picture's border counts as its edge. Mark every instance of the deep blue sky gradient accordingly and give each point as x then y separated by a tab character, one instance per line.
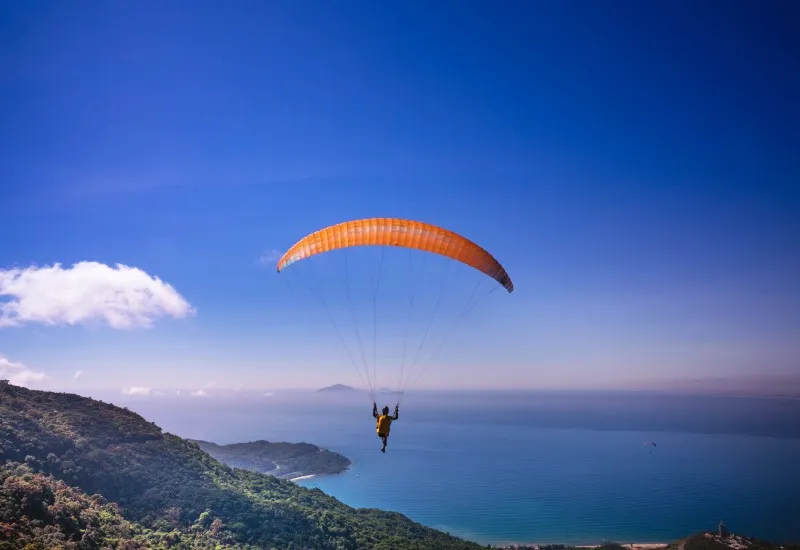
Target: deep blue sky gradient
634	165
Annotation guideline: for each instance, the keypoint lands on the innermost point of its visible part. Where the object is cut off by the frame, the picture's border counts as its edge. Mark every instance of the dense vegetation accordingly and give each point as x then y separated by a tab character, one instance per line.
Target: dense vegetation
283	460
39	511
80	473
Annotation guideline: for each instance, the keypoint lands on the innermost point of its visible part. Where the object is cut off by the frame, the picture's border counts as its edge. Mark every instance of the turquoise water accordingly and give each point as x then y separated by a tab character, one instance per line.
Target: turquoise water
540	467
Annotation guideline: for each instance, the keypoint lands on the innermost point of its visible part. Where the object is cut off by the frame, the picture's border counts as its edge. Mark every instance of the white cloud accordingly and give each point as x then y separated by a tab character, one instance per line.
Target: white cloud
270	257
18	374
123	297
77	375
199	393
136	390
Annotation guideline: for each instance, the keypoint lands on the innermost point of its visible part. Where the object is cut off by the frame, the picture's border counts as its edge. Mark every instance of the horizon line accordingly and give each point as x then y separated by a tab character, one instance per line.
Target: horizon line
162	392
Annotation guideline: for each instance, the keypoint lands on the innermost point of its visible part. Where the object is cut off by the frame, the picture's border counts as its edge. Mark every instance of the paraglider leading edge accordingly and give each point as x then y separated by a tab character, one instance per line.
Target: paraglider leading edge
402	233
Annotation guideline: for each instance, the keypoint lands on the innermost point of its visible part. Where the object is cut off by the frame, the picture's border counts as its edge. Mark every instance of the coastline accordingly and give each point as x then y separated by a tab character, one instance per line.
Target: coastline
309	476
305	477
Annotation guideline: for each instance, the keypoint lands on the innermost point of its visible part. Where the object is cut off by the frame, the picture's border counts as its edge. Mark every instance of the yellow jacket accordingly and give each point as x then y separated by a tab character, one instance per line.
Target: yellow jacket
384	421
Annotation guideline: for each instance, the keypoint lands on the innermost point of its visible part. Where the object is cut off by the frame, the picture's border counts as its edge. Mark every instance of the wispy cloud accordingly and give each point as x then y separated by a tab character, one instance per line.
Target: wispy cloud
136	390
123	297
270	257
18	374
202	391
77	375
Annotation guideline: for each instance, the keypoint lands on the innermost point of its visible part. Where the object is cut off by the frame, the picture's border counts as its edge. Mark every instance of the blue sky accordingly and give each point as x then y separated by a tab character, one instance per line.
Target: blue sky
634	166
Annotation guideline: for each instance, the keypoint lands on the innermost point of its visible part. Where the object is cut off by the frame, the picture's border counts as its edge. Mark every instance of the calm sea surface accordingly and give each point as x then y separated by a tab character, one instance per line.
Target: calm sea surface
538	467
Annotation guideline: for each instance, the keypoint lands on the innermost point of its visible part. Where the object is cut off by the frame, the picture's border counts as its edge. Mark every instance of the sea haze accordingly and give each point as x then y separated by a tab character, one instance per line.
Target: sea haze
536	467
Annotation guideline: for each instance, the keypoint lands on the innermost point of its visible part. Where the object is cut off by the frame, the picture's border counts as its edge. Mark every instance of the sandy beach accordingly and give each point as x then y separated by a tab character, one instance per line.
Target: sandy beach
301	477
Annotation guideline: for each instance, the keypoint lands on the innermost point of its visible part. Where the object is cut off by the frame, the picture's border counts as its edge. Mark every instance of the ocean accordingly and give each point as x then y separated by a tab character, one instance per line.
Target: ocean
541	467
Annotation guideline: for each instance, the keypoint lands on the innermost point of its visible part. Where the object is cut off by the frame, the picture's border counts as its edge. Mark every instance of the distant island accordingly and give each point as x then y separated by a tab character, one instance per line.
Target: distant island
337	388
284	460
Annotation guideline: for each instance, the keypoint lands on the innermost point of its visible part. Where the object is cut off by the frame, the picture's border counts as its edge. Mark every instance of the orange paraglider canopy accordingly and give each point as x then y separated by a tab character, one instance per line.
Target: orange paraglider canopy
401	233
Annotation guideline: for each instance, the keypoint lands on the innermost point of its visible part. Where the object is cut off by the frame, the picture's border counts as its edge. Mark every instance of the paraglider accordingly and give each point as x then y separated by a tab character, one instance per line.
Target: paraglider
383	424
389	234
649	443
